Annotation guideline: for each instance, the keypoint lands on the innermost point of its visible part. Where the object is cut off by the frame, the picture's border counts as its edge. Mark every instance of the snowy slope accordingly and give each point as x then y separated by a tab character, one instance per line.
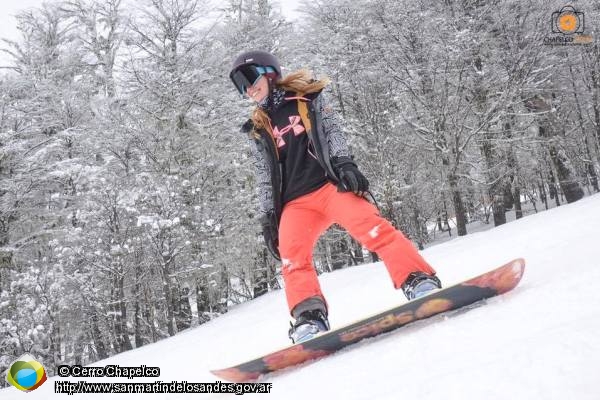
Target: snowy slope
540	341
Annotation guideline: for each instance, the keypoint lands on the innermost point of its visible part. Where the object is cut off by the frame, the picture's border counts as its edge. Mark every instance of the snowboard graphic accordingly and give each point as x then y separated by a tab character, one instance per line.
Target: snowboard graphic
489	284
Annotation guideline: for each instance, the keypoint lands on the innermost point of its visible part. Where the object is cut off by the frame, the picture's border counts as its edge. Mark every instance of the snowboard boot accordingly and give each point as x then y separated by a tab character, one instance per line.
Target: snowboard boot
308	325
419	284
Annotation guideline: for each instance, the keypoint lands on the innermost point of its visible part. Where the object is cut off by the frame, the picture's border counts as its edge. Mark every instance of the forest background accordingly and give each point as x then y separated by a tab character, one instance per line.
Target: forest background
128	210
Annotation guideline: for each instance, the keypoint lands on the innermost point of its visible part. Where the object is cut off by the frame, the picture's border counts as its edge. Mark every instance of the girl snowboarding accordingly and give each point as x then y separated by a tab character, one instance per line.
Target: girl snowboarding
307	180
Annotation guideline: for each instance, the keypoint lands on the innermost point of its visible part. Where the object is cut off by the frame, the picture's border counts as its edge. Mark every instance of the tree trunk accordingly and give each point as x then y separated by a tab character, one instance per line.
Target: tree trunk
498	210
137	296
543	194
224	288
446	217
183	315
374	257
594	70
260	278
459	207
596	107
566	179
591	171
589	162
115	325
517	202
357	252
513	167
565	175
122	316
508	196
137	325
420	238
338	254
495	187
552	187
168	296
202	299
96	335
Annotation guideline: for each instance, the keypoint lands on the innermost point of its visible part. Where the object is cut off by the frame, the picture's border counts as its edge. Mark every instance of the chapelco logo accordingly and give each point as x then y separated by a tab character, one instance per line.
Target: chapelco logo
568	28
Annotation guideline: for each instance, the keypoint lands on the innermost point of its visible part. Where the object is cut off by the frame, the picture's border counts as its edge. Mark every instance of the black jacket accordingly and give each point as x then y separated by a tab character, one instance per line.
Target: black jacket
324	135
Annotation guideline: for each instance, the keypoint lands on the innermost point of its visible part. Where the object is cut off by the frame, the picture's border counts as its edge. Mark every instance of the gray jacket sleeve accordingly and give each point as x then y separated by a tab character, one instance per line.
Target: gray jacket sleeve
263	180
338	145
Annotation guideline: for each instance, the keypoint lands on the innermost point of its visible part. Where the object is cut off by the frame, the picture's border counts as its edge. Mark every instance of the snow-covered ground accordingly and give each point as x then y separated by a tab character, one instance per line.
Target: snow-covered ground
540	341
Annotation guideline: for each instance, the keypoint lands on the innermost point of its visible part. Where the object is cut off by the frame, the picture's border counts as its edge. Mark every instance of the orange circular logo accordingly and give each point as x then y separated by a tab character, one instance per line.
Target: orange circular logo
568	22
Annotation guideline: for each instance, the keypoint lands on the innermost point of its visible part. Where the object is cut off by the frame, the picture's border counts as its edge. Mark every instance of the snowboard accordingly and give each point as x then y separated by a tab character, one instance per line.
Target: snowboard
489	284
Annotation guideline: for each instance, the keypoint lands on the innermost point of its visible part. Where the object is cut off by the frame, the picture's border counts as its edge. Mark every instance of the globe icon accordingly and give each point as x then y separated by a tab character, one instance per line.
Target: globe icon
26	377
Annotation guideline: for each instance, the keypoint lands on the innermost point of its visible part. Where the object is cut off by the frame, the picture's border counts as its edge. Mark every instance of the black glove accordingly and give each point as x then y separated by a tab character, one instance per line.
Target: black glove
351	179
270	232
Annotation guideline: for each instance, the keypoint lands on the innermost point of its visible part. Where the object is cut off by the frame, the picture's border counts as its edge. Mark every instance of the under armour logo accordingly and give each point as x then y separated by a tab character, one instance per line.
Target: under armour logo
295	125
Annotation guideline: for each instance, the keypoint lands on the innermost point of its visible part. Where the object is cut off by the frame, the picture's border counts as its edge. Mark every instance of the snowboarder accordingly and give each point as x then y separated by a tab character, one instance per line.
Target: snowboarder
308	180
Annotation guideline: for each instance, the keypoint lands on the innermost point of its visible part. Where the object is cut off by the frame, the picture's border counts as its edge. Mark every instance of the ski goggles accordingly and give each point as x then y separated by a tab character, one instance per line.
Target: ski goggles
247	75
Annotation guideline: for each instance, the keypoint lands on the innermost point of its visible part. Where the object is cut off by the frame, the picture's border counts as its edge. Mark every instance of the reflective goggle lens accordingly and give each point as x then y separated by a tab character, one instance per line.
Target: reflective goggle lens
248	75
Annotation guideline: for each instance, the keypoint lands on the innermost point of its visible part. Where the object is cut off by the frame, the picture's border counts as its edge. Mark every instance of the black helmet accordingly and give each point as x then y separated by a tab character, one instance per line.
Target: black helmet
250	65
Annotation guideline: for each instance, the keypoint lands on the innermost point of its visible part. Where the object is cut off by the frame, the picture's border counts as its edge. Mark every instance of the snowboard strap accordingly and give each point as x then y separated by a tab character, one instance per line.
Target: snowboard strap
303	111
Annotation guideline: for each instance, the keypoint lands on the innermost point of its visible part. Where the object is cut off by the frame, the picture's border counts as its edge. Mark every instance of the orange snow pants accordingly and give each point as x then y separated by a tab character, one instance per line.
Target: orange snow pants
304	220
